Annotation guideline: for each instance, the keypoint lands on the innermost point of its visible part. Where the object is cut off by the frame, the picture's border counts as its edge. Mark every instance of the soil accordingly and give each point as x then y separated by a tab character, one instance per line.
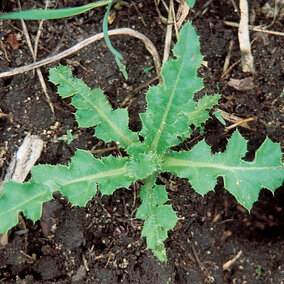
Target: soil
101	243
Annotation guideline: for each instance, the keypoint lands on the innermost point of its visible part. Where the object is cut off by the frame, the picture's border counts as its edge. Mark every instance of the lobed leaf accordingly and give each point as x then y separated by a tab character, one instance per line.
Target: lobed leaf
17	197
243	179
171	109
166	117
198	114
158	218
93	108
80	180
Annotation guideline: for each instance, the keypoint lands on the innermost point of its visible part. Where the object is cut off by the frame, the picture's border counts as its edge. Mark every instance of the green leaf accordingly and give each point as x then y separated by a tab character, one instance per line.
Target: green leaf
218	115
158	218
122	67
17	197
190	3
143	163
171	109
169	104
80	180
116	53
93	108
241	178
198	114
68	137
53	14
147	69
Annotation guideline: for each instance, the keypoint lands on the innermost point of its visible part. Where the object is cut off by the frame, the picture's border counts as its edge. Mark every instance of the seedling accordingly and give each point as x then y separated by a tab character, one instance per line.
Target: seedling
258	272
147	69
170	110
68	137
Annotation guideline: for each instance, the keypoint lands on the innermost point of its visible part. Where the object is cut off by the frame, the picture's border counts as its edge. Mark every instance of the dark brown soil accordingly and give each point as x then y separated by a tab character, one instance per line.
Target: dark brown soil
101	243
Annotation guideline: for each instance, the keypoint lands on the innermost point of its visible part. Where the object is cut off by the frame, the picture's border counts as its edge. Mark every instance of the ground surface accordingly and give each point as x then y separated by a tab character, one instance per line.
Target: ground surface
101	243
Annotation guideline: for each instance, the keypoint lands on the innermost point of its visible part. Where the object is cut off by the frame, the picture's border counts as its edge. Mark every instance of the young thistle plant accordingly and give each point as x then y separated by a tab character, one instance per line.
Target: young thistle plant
170	110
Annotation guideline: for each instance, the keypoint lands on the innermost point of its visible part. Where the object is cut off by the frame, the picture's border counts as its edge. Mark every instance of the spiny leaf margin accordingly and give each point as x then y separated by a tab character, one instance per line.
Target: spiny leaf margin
174	98
241	178
93	109
158	217
17	197
79	181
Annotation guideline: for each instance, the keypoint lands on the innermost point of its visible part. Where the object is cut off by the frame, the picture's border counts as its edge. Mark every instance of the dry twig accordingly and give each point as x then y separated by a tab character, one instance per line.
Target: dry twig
228	57
241	122
236	63
121	31
229	263
139	13
5	51
34	54
135	91
237	121
182	12
197	258
255	29
161	17
38	35
168	38
243	34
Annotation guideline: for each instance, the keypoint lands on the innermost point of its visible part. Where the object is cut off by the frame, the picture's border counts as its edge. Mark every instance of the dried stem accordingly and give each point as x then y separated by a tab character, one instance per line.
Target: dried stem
121	31
243	34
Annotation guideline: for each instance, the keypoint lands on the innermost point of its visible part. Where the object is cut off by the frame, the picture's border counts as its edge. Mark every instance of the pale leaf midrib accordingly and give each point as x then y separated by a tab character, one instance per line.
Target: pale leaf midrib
178	163
110	173
151	217
19	207
166	112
